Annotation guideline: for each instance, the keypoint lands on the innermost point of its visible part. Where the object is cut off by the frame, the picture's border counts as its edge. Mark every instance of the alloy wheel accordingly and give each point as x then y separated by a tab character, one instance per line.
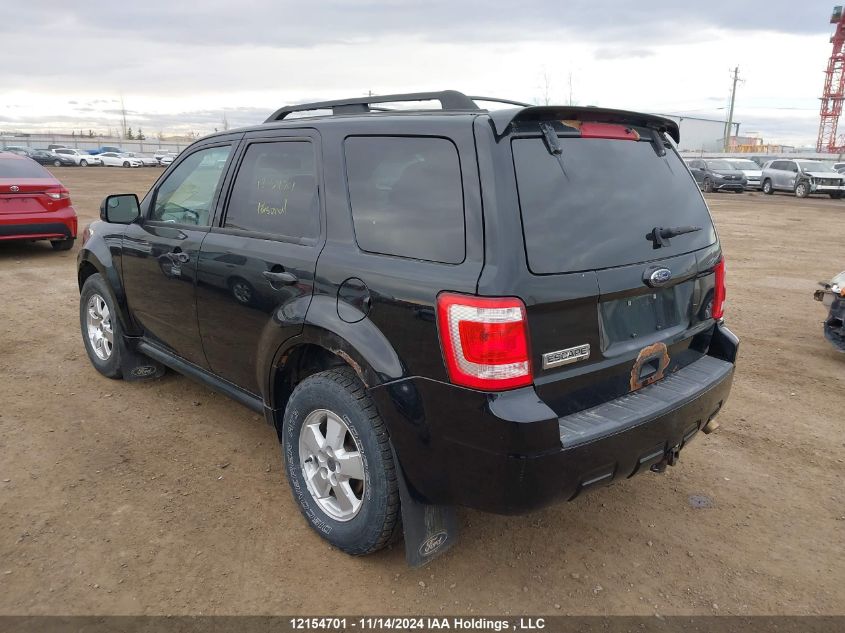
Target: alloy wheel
100	332
332	465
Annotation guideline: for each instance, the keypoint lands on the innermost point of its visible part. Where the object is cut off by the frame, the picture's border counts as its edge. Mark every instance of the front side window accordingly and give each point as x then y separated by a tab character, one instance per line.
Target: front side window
407	197
187	195
275	191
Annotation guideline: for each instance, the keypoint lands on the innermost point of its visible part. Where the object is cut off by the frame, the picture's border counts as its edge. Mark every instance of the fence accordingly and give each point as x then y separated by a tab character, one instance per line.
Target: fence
87	142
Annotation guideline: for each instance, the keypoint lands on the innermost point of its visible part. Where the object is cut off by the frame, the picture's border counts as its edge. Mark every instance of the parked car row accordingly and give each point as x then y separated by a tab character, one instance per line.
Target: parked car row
108	156
799	176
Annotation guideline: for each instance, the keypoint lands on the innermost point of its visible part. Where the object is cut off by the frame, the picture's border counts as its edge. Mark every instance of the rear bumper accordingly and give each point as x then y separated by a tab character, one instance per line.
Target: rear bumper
54	225
508	453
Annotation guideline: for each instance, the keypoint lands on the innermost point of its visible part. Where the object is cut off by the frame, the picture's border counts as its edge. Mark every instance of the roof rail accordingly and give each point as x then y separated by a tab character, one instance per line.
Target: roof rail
449	100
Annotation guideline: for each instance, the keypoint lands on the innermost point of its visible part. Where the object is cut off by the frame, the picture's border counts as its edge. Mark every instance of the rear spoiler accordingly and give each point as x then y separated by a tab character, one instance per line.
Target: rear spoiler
502	119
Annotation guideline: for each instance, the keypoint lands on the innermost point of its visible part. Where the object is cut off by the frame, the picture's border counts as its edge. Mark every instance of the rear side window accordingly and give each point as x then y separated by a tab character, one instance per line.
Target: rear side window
594	208
407	197
275	191
22	168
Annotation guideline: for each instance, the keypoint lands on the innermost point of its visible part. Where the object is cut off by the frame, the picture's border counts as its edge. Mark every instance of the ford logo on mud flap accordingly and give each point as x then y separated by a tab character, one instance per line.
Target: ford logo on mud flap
658	277
432	543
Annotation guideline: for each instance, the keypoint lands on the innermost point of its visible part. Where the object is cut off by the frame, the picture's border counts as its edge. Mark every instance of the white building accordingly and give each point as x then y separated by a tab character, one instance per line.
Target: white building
701	135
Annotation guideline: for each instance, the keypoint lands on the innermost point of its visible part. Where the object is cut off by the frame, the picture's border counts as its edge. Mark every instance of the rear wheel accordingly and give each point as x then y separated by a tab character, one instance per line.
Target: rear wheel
100	327
62	245
339	462
767	187
802	190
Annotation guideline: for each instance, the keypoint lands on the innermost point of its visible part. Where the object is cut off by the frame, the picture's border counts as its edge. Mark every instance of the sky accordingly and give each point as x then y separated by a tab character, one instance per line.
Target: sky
179	66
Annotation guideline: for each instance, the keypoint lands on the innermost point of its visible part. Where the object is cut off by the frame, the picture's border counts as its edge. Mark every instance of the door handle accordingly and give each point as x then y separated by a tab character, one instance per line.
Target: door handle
179	256
281	277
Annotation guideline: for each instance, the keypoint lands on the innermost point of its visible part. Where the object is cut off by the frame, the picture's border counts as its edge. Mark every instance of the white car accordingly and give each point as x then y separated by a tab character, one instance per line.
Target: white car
753	172
113	159
168	158
146	161
79	158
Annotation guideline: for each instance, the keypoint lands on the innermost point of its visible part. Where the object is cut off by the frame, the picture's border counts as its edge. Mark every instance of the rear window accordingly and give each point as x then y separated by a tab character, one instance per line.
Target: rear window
406	197
594	207
22	168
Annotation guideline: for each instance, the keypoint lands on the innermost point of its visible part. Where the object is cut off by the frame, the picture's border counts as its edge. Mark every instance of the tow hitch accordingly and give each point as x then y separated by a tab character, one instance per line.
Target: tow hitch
669	459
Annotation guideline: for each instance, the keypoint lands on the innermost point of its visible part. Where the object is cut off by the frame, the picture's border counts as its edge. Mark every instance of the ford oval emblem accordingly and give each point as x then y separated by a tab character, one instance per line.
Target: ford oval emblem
659	277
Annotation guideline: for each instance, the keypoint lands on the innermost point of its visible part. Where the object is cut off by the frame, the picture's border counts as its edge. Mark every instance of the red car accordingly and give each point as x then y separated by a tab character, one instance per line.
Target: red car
33	204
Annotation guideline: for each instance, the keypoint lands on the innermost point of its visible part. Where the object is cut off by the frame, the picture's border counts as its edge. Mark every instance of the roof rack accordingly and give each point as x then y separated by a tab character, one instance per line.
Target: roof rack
450	100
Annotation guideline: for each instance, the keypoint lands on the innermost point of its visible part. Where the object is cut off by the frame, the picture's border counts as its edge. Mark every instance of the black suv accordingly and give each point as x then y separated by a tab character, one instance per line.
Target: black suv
433	307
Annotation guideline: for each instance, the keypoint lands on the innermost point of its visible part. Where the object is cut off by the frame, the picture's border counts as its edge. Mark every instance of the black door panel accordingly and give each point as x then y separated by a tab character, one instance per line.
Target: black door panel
160	252
244	308
256	270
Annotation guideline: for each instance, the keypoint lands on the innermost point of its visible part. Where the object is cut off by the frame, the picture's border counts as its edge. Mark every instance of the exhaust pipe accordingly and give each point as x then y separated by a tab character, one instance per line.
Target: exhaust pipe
711	426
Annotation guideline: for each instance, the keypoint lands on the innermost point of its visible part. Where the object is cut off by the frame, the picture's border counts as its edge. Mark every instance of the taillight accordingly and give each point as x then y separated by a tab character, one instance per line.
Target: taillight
60	195
718	310
484	341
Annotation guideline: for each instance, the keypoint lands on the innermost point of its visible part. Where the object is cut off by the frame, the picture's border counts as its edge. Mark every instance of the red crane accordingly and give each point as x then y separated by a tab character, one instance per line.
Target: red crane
834	89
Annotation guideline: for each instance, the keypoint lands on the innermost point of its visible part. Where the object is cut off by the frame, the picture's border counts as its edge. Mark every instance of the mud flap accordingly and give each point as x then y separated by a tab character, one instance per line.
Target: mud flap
136	366
429	530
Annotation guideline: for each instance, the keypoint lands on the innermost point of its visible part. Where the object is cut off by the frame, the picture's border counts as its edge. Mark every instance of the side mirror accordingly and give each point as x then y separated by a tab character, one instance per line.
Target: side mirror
123	208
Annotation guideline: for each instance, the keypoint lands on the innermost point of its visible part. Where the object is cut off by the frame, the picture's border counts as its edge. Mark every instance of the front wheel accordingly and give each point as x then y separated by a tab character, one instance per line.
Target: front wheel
339	462
802	190
57	163
767	187
100	327
708	185
83	163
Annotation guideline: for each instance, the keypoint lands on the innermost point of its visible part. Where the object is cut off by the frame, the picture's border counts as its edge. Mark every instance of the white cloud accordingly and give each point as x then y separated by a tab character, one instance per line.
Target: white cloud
178	71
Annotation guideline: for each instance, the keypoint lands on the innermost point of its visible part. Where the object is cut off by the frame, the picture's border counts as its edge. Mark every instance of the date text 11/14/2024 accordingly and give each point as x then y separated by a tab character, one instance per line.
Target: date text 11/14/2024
432	623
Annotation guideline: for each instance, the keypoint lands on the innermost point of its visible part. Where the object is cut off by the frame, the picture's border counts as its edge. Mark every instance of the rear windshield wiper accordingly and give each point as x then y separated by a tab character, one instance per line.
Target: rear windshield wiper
660	236
657	144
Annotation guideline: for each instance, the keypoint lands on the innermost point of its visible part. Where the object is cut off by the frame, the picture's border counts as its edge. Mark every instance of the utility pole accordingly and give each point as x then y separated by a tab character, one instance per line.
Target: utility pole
731	111
123	113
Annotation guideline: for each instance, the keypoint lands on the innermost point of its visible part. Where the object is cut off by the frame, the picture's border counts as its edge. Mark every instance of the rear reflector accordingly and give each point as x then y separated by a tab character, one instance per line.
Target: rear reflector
720	290
484	341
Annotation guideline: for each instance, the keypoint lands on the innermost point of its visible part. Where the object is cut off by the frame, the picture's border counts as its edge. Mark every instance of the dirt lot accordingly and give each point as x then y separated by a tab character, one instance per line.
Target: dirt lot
113	499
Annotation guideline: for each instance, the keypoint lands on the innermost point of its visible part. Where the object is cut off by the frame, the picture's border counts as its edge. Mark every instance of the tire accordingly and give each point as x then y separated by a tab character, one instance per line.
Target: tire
802	190
242	290
94	291
707	185
339	393
62	245
83	163
767	187
126	163
836	196
57	163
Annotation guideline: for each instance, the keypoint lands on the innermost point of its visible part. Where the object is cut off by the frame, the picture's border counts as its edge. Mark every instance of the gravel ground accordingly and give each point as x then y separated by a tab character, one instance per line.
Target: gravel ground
165	498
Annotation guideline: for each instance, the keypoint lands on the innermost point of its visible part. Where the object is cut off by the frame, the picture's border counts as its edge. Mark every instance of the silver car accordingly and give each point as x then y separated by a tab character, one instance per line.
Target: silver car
752	171
802	177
